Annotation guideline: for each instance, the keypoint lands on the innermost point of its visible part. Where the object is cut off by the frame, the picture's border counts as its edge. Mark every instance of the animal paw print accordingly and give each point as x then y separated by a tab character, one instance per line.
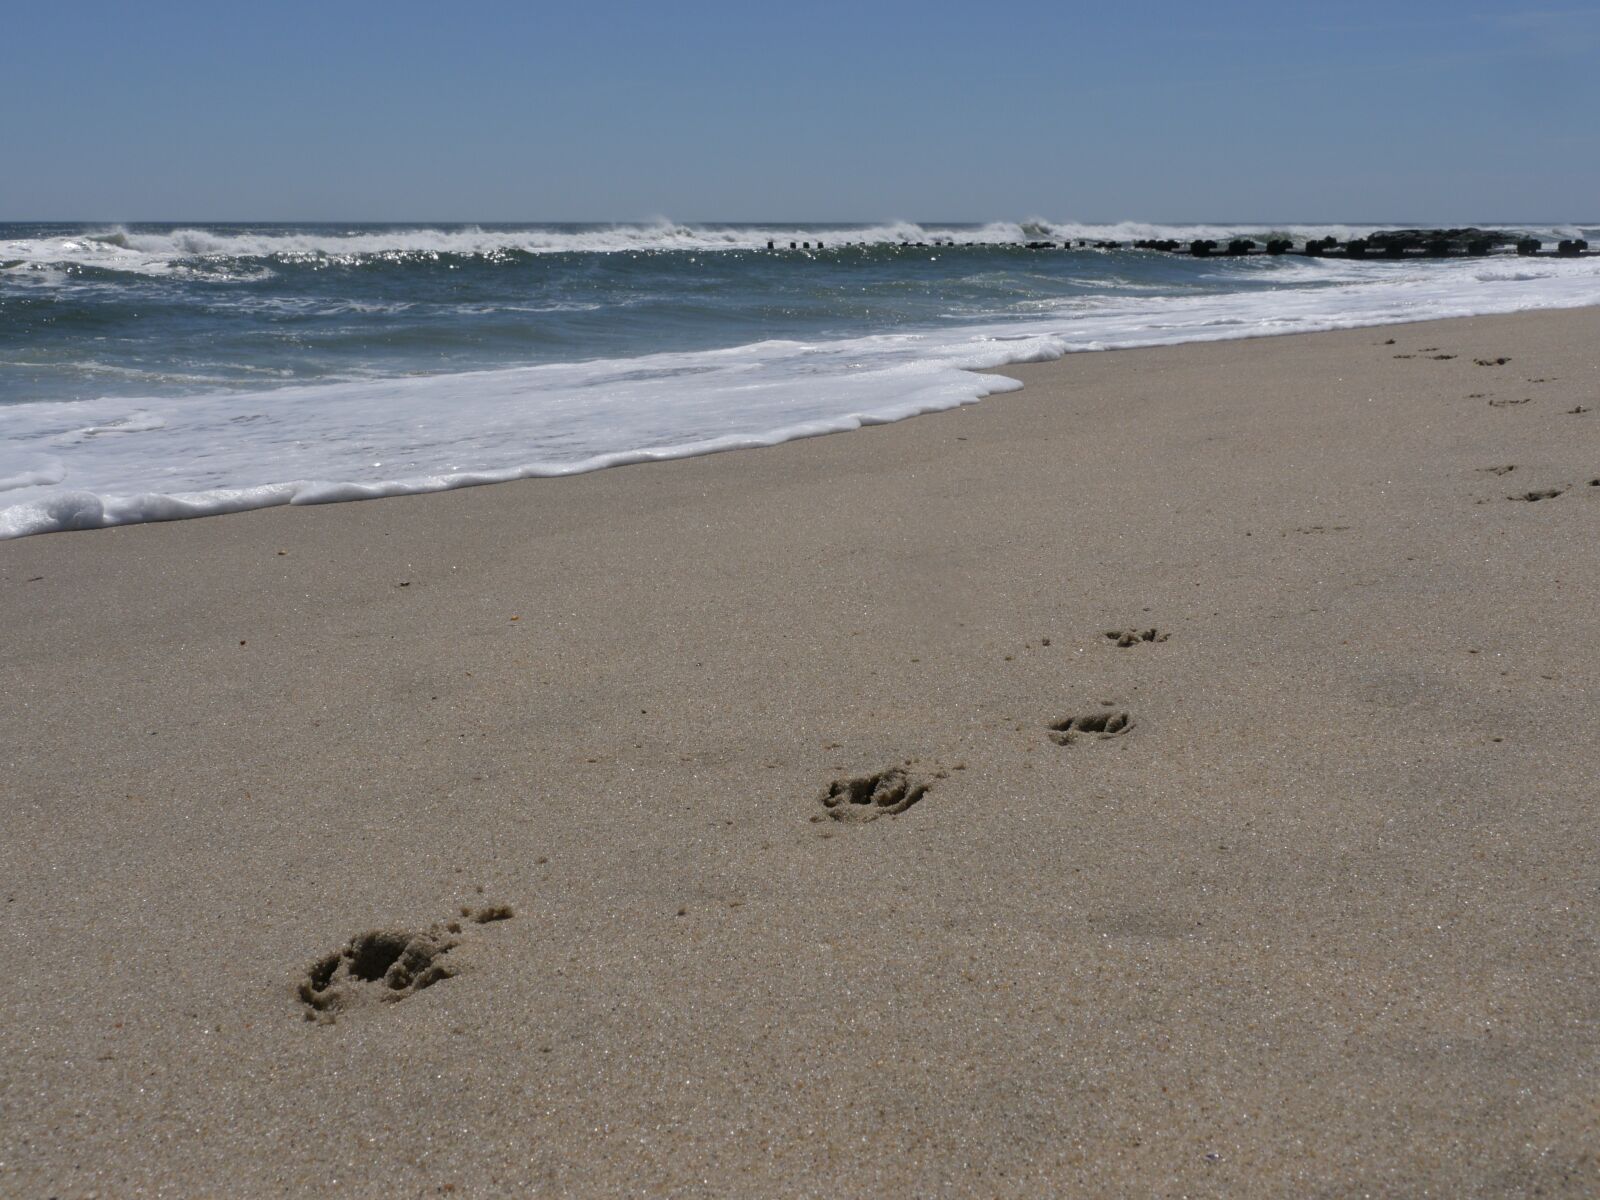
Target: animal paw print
868	797
1097	726
385	966
1132	637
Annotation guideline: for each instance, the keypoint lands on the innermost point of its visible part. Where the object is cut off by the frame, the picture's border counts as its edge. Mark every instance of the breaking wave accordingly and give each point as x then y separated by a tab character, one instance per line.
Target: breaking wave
121	459
226	253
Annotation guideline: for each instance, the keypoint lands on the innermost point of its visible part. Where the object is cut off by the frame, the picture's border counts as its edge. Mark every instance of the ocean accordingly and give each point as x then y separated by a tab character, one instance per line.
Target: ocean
153	372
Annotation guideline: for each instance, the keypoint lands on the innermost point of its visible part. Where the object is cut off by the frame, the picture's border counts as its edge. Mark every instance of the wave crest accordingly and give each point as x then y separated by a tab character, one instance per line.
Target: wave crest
230	254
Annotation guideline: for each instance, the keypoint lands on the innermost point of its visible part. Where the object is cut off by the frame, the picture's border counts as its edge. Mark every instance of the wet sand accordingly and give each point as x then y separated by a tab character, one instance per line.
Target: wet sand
1320	919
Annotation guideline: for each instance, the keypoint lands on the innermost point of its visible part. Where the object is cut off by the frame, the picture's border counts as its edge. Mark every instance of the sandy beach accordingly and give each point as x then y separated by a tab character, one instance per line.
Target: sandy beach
1243	696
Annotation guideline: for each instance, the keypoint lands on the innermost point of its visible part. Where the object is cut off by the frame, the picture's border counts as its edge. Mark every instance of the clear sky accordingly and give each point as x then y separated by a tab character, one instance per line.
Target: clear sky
351	110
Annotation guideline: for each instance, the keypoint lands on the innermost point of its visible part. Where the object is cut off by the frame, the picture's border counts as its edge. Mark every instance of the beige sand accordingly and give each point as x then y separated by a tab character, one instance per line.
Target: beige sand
1321	922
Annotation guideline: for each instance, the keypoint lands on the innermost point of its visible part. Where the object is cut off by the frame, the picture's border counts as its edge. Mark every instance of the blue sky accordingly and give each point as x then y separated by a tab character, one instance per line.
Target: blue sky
820	111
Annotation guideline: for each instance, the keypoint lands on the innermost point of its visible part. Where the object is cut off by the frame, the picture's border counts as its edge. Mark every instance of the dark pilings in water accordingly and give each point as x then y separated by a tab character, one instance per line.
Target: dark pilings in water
1393	244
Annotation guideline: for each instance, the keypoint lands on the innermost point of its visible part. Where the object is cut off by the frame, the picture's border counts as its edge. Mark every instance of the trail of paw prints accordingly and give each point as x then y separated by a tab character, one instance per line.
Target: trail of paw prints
385	966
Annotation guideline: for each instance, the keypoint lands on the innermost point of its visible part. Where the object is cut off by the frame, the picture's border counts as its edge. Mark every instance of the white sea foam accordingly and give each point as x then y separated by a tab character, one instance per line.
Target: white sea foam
48	473
119	460
224	255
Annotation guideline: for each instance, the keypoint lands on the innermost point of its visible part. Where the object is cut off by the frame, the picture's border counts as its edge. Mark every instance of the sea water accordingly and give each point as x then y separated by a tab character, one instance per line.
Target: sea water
151	372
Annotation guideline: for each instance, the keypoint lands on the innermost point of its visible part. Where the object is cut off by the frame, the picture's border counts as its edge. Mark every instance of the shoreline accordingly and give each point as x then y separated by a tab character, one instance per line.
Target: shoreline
77	510
1318	920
